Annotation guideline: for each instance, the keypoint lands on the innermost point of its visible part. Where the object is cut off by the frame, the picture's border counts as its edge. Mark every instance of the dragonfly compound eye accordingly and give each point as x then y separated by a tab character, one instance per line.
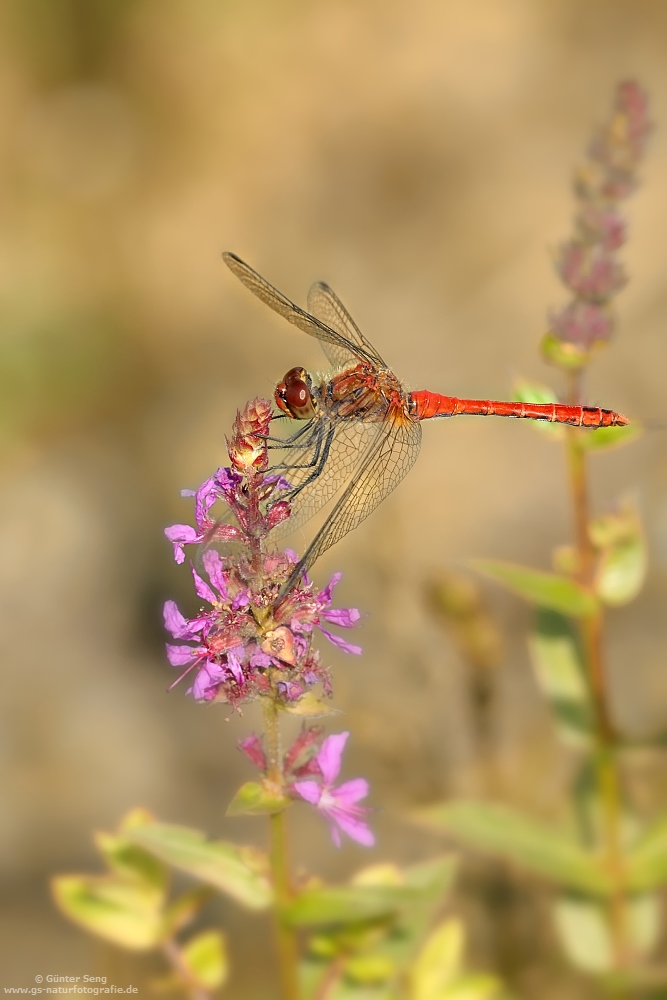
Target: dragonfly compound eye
295	395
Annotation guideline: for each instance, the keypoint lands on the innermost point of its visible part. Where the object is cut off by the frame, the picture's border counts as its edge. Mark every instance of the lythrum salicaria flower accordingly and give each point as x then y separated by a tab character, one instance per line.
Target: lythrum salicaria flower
251	639
339	805
587	263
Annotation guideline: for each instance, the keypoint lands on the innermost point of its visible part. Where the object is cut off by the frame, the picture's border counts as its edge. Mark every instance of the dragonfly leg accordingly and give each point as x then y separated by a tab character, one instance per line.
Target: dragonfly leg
289	441
317	465
314	461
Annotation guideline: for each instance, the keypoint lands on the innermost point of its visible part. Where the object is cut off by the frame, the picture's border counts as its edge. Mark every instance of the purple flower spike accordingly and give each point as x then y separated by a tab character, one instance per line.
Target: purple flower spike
587	262
339	805
251	641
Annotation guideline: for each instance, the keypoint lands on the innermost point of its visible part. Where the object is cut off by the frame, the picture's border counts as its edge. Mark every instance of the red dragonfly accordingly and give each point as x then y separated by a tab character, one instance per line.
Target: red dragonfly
360	429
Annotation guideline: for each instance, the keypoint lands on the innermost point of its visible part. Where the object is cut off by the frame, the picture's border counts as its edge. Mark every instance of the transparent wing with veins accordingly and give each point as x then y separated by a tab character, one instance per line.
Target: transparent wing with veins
388	457
340	350
325	305
319	464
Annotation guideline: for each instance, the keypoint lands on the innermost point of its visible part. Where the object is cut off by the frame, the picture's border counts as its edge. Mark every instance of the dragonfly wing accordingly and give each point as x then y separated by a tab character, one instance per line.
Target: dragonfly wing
388	457
320	466
325	305
292	313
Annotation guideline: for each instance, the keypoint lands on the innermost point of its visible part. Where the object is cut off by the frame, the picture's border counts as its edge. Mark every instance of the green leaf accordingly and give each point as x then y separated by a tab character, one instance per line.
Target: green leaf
132	863
371	968
206	959
127	914
603	438
439	961
568	356
237	871
347	904
622	563
255	799
647	859
583	926
534	392
538	848
379	945
374	894
558	593
437	973
557	660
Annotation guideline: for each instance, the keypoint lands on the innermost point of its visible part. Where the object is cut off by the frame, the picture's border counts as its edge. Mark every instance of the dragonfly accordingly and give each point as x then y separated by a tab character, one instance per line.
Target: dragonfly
359	428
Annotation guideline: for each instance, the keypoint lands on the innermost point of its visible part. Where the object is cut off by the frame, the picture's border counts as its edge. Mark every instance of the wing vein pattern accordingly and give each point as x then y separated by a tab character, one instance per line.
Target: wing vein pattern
387	459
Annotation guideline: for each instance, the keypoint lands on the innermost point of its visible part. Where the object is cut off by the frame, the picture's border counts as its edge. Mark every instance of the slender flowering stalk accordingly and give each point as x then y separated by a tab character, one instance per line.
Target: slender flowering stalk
251	640
588	266
587	263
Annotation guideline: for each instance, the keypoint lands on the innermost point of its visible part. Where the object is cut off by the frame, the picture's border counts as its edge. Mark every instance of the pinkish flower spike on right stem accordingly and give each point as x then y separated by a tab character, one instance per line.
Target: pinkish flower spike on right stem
587	263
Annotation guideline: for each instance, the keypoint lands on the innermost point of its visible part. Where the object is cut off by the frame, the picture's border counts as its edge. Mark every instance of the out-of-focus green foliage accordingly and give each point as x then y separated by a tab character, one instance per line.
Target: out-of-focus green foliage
584	929
622	562
253	798
547	590
555	651
240	872
130	908
541	849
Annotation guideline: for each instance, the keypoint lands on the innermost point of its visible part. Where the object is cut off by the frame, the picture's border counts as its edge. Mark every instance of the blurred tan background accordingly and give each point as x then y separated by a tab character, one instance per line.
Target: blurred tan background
417	156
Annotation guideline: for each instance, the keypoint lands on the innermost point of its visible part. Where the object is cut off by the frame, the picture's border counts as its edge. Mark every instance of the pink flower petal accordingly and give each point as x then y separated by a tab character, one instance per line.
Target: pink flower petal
355	828
178	656
350	792
234	664
209	675
345	617
324	596
330	754
180	535
202	589
308	790
214	567
175	623
348	647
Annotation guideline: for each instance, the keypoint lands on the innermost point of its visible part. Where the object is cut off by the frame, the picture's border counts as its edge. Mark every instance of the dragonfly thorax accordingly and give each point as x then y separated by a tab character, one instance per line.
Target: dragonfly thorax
294	395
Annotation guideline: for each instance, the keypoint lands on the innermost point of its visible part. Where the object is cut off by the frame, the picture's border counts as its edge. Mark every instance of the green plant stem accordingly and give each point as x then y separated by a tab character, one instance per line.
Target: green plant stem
286	941
606	768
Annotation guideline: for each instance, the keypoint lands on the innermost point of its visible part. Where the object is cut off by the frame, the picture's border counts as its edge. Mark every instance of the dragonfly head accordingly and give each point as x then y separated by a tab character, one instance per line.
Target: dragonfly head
294	396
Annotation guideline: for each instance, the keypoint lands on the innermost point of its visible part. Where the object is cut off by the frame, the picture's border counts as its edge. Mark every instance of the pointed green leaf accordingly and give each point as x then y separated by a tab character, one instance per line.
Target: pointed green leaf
548	590
205	957
235	870
519	839
623	561
132	863
121	912
647	860
556	657
254	799
374	893
603	438
347	904
584	930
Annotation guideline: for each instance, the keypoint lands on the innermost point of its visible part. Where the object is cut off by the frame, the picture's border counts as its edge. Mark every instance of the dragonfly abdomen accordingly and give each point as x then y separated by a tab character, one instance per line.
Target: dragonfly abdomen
424	405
